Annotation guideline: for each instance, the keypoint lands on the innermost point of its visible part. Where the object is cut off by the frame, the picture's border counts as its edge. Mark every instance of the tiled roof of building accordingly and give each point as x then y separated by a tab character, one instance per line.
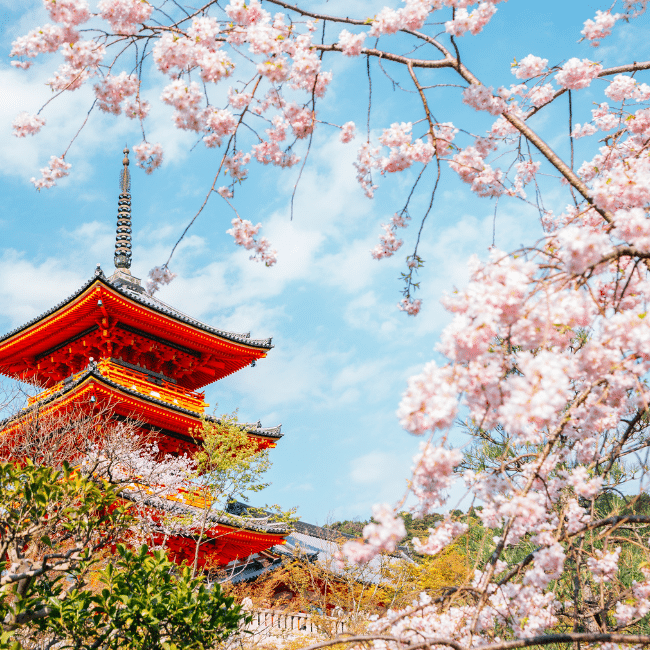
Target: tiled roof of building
255	429
137	294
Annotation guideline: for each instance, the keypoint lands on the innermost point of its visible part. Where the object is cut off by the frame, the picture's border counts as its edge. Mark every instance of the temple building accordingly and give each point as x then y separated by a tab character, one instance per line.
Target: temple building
112	343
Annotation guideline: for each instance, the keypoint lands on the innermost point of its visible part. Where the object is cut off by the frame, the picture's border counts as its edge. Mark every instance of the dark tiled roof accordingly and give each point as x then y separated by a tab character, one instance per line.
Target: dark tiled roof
254	429
259	524
137	294
242	509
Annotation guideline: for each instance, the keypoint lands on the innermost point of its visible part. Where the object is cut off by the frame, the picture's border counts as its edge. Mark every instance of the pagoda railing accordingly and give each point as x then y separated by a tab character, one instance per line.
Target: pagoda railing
267	619
54	389
137	381
163	390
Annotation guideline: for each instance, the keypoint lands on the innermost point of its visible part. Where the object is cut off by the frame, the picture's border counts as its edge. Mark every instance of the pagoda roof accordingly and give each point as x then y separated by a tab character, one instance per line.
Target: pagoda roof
114	317
81	383
139	295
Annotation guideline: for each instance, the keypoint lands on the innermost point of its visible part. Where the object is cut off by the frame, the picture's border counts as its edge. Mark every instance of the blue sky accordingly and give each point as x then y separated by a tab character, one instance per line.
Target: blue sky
343	351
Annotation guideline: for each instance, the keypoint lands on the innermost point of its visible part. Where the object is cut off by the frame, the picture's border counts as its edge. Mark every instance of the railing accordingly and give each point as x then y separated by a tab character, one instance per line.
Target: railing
54	389
165	391
268	619
134	380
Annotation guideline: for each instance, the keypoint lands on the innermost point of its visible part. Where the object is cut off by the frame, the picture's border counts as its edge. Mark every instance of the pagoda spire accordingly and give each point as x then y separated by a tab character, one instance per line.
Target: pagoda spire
122	257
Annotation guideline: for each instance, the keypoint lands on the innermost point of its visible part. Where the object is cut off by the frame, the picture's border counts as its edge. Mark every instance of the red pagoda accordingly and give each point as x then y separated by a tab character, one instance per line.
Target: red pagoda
112	343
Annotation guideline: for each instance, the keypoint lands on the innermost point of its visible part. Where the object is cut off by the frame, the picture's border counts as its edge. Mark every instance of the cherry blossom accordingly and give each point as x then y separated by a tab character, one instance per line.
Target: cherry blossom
124	15
529	66
577	74
600	27
243	232
158	276
113	90
148	156
473	22
68	12
411	307
351	44
57	168
26	124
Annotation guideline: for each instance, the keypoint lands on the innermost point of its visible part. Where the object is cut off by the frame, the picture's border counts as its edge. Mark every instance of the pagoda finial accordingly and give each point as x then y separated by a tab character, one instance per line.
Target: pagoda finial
123	239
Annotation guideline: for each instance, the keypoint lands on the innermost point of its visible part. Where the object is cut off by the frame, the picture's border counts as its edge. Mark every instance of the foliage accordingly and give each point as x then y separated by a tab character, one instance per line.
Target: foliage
58	528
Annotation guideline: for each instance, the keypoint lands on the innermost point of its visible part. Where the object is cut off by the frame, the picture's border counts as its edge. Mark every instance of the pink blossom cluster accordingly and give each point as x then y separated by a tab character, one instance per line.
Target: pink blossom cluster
388	242
124	15
26	124
57	168
68	12
243	232
347	132
444	533
351	44
41	40
382	536
473	21
472	169
148	156
411	306
605	565
482	99
600	27
113	90
158	276
83	59
576	74
529	66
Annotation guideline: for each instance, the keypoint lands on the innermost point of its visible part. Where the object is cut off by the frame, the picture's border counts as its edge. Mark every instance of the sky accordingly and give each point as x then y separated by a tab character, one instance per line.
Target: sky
343	351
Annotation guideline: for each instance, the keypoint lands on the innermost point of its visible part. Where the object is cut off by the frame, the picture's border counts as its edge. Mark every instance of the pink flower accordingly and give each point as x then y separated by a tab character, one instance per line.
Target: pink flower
40	40
148	156
239	100
124	15
68	12
605	565
225	192
351	44
431	400
246	13
220	123
540	95
580	249
621	87
596	29
473	22
583	485
529	66
387	21
347	132
112	90
433	475
576	74
243	231
157	276
234	165
633	227
57	168
444	533
26	124
411	307
482	99
580	131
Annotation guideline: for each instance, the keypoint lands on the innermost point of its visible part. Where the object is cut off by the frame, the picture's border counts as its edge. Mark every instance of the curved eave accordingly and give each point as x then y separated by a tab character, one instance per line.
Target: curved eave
20	347
170	416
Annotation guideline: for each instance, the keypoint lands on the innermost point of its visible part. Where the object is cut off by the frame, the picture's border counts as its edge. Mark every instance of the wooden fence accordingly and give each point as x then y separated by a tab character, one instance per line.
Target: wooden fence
267	619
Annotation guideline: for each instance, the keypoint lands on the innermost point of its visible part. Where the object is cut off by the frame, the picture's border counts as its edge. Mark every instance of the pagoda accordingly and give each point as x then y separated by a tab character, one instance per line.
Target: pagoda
111	343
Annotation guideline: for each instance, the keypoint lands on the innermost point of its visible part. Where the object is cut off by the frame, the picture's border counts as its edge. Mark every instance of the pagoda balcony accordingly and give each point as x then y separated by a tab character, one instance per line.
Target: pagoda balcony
140	382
